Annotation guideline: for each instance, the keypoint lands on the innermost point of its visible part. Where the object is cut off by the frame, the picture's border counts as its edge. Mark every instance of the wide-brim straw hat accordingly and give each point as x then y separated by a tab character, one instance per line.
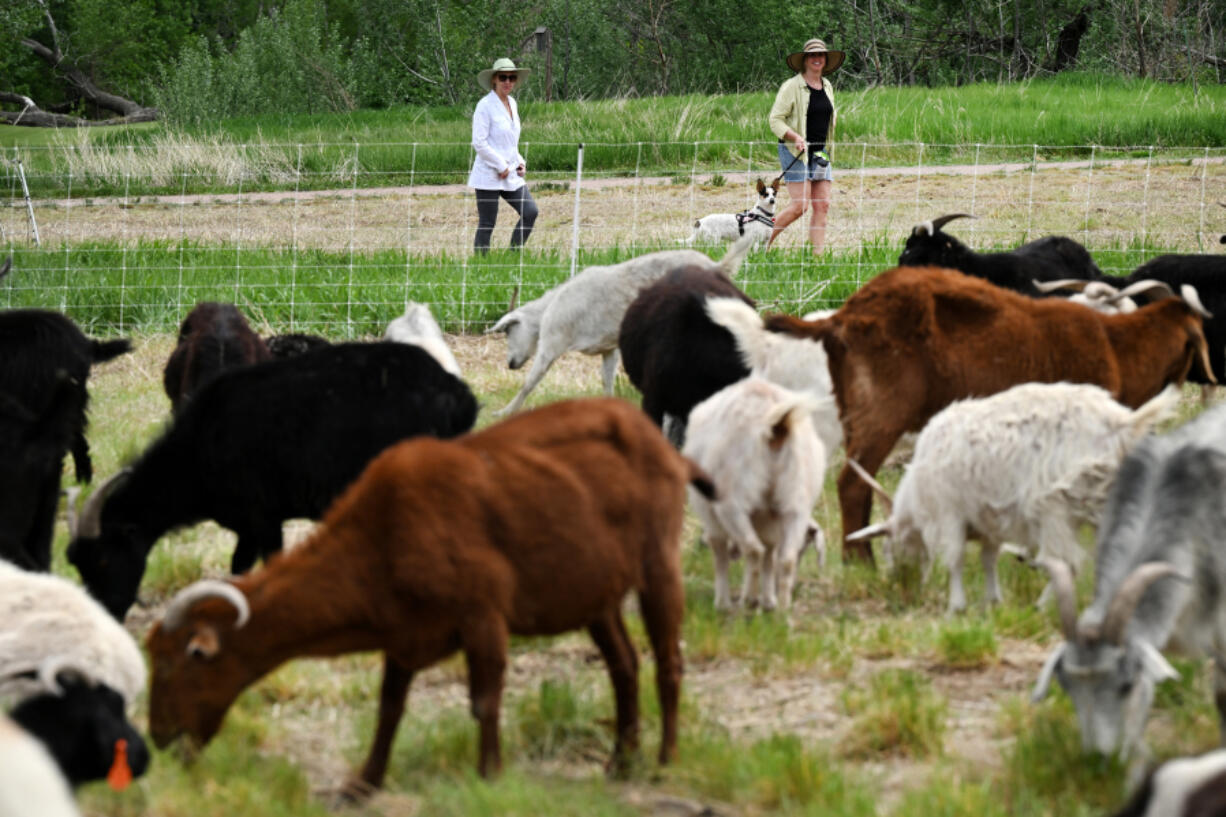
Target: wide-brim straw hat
502	65
796	60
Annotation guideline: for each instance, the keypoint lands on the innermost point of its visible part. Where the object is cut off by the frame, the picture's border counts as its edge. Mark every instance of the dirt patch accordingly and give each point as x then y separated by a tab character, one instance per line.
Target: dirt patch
1105	205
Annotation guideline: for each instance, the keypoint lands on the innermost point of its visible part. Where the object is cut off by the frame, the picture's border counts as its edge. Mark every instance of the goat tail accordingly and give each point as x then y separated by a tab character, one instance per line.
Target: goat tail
791	325
1158	408
732	259
104	350
701	480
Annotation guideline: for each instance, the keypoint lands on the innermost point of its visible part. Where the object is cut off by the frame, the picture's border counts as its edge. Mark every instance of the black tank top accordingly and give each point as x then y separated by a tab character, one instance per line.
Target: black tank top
817	120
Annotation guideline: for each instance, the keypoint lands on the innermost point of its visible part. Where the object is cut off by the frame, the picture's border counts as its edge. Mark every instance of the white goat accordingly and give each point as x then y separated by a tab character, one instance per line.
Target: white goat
30	780
418	327
585	313
756	441
1026	465
794	363
1104	297
50	623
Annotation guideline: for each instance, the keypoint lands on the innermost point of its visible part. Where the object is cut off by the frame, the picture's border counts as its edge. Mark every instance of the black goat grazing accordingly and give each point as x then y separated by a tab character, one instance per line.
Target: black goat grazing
259	445
44	365
212	338
293	344
82	727
1207	273
673	353
1050	258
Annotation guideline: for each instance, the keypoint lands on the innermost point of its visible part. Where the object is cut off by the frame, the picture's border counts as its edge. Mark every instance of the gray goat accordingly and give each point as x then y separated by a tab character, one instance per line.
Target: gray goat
1159	583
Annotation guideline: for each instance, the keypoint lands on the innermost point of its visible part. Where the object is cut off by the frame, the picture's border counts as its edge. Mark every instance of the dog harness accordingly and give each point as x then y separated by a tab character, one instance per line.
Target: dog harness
749	215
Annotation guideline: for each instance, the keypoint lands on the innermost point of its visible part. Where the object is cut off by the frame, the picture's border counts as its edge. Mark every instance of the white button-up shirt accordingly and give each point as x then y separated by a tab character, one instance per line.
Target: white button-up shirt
496	140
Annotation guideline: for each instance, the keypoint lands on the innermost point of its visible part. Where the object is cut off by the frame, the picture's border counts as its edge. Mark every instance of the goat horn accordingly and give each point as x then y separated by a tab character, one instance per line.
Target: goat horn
1192	299
514	299
1142	287
1078	284
870	532
181	604
931	227
886	499
88	524
1061	576
53	665
1125	600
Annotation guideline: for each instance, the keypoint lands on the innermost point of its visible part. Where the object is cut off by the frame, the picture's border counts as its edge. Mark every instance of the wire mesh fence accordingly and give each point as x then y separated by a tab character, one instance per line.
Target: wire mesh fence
337	237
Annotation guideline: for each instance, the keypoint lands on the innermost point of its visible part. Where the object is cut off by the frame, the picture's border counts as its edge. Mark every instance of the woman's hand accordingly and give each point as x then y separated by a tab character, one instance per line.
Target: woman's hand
504	173
520	169
798	142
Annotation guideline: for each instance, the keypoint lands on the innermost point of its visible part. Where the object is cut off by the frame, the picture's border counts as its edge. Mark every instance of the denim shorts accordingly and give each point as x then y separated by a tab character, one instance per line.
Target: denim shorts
799	172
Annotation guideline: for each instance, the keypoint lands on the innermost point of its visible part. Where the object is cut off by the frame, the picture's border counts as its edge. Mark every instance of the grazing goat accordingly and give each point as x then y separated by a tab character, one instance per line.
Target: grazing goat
1044	259
45	362
535	526
1028	465
72	672
1159	573
259	445
673	353
914	339
585	313
213	337
756	441
417	326
293	344
1184	787
30	782
794	363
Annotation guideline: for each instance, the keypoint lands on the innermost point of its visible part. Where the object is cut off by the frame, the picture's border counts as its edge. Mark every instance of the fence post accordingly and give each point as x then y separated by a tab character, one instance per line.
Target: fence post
574	236
25	190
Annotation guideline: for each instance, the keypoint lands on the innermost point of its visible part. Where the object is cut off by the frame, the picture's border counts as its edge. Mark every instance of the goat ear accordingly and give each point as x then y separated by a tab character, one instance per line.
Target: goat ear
204	644
1155	664
504	324
1049	669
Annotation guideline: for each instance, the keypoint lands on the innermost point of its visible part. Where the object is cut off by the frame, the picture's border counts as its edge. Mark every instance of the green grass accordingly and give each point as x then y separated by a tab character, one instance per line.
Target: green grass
651	136
896	712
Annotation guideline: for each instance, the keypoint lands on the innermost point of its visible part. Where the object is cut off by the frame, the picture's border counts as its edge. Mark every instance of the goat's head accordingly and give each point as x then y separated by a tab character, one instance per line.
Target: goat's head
523	331
196	673
81	722
905	540
109	556
928	245
1108	675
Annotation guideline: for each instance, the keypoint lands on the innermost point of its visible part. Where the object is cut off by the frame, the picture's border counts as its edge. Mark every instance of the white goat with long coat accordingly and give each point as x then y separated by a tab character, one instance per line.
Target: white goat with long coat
757	442
1028	465
585	313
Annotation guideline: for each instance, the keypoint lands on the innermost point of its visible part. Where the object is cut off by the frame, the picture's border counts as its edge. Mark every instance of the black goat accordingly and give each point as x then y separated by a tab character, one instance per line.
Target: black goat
44	365
1050	258
259	445
294	343
82	727
212	338
673	353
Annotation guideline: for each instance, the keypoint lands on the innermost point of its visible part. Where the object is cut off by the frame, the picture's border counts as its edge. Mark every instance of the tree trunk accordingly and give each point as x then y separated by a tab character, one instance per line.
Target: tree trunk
1069	41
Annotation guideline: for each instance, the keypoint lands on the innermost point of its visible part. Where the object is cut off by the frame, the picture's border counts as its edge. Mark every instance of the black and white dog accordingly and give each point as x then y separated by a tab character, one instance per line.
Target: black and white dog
758	221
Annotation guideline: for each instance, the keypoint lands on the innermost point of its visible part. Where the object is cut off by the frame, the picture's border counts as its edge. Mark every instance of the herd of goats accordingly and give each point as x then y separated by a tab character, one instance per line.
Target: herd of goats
1034	382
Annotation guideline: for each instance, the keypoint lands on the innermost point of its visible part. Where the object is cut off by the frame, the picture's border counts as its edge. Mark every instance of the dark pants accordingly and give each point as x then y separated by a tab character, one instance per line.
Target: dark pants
487	214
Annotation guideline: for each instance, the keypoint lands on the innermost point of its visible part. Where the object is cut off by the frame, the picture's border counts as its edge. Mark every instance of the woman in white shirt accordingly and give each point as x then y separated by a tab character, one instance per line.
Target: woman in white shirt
498	169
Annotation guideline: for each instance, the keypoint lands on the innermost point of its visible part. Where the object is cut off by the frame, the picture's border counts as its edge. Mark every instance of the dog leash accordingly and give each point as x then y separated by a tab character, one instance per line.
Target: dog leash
821	154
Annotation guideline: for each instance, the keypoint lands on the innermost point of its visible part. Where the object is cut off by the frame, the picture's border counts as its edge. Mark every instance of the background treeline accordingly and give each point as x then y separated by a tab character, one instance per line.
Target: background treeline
201	60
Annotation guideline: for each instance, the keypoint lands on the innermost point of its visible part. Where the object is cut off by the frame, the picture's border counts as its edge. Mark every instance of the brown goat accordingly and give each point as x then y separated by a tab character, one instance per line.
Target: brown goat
535	526
212	338
914	339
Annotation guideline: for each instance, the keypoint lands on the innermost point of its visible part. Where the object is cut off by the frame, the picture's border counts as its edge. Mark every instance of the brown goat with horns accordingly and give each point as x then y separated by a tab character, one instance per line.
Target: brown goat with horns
535	526
914	339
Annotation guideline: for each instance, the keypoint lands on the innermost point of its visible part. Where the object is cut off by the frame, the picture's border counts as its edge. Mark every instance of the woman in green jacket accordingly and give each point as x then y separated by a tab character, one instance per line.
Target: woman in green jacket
803	119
